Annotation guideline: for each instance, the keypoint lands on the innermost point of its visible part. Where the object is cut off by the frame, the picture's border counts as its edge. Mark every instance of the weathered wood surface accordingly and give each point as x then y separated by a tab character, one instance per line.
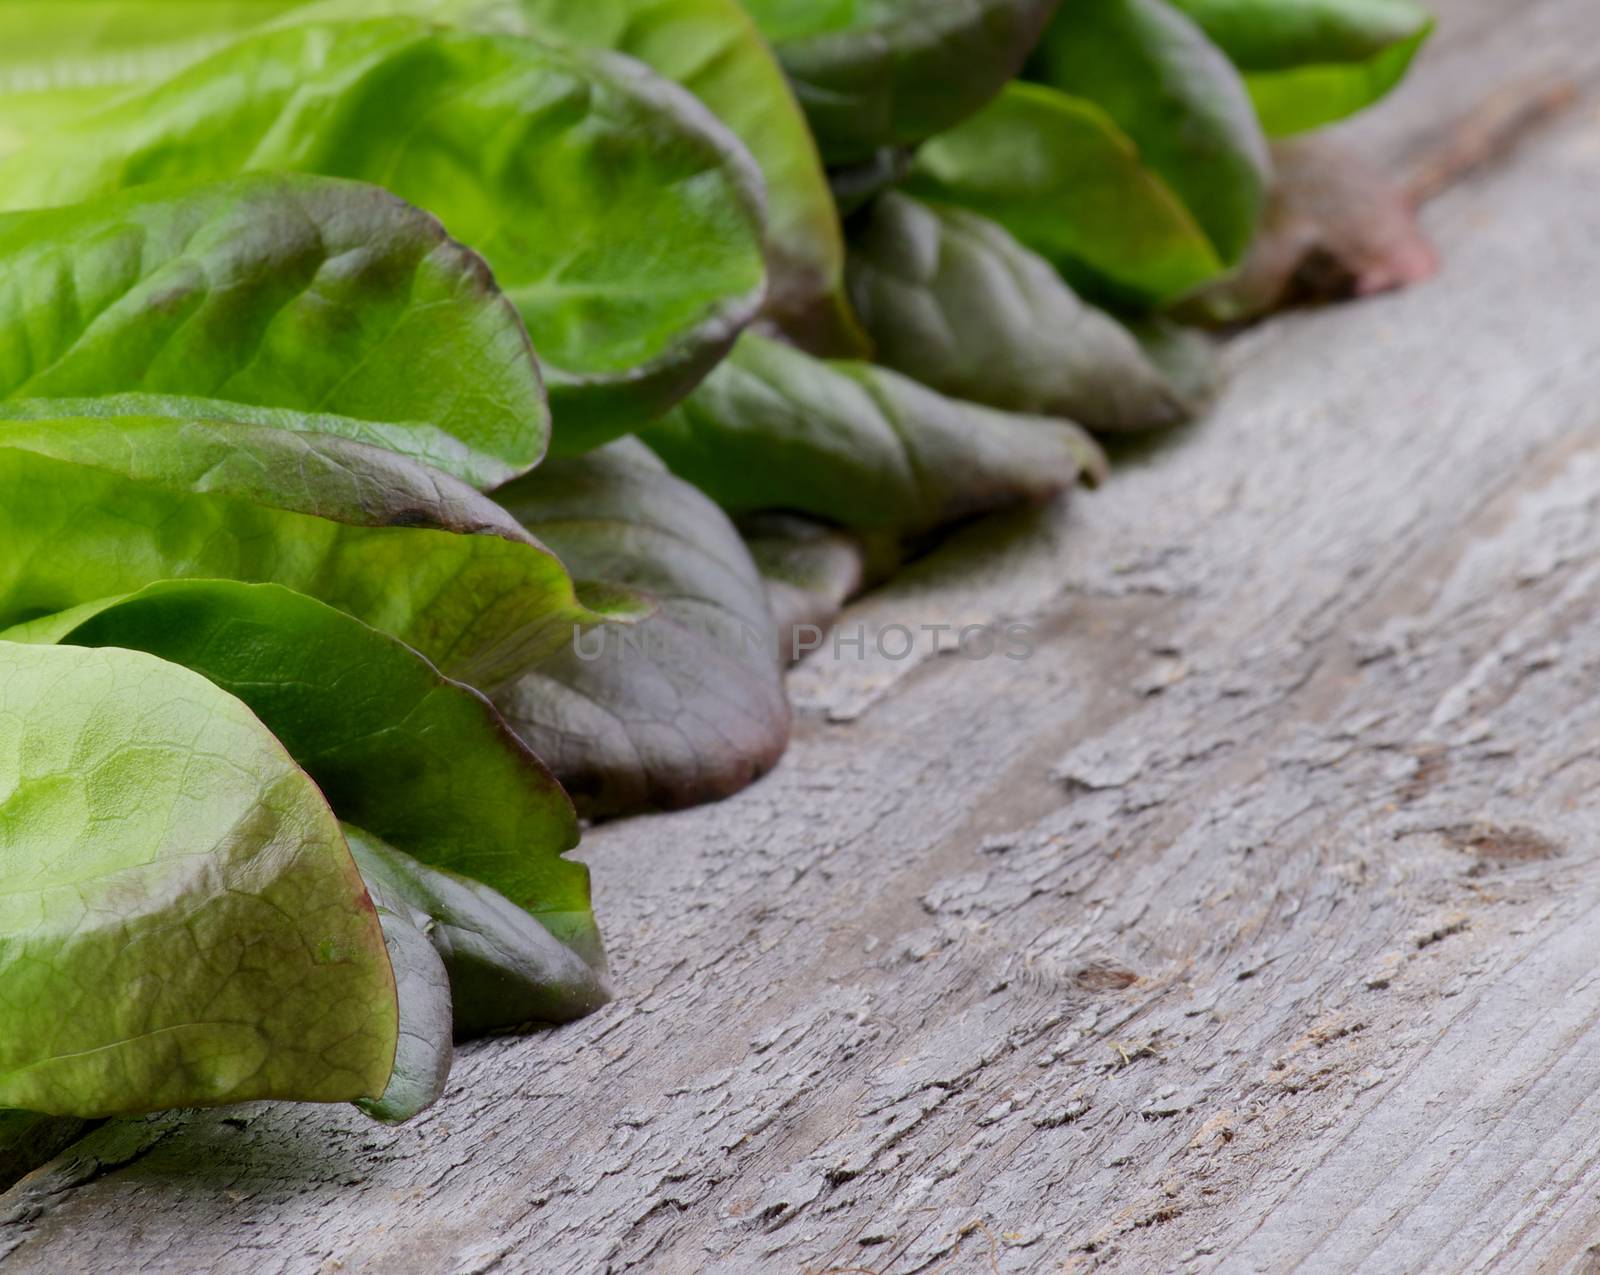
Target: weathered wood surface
1253	923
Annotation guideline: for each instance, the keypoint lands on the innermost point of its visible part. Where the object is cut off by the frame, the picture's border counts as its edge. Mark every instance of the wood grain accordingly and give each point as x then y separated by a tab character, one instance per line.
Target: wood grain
1251	924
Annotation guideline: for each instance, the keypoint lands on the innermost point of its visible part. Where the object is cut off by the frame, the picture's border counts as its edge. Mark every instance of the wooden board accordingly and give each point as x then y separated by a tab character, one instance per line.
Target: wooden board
1252	923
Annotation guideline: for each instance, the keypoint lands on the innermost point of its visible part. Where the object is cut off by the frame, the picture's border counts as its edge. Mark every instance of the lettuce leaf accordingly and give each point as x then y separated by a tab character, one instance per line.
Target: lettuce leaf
53	71
1060	176
622	220
55	67
184	924
713	49
811	570
505	969
686	706
954	301
424	1048
287	292
387	740
859	446
415	758
1308	63
1177	98
91	509
875	73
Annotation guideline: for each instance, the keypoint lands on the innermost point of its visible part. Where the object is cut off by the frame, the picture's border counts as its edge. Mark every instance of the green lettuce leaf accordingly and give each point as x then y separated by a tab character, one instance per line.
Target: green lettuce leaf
1057	172
419	760
951	299
505	969
421	443
1311	62
622	220
857	185
424	1047
184	924
59	63
278	292
1178	99
811	570
873	73
688	705
1185	357
387	739
91	509
713	49
859	446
